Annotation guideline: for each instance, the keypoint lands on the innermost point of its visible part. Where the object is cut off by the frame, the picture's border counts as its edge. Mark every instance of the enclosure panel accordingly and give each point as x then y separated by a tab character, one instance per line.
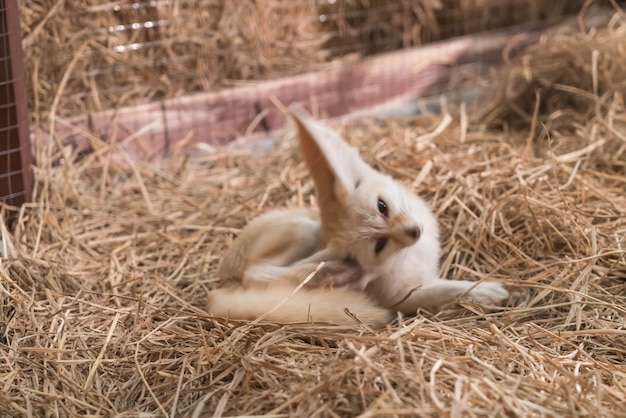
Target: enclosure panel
15	156
157	128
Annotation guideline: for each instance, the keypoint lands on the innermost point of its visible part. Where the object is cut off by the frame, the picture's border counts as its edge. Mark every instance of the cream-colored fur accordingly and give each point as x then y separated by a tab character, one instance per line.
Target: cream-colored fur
365	218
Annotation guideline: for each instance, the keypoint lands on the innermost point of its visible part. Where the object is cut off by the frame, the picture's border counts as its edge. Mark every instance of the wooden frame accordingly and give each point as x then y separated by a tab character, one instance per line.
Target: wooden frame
15	152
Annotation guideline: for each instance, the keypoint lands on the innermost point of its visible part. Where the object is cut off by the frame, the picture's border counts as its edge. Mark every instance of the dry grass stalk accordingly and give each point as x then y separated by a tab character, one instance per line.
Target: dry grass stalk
109	265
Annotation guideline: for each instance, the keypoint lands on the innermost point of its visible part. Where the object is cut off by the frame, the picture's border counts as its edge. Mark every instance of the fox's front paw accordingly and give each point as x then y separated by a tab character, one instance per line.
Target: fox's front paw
496	295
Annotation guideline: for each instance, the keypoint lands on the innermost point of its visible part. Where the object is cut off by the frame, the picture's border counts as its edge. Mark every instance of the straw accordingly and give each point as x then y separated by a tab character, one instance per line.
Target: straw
103	291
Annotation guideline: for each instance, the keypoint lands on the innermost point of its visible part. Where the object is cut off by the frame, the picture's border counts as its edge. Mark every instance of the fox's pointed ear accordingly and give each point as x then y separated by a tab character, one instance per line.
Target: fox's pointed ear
335	166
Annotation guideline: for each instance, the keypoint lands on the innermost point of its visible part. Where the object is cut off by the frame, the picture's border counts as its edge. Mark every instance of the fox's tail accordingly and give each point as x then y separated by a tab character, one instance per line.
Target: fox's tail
278	304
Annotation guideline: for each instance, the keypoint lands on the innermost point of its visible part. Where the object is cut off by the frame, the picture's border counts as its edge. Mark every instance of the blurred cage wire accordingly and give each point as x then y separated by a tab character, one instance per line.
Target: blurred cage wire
97	55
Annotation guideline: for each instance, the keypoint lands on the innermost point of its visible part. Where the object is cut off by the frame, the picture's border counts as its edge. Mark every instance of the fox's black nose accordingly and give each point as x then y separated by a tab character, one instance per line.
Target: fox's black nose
413	232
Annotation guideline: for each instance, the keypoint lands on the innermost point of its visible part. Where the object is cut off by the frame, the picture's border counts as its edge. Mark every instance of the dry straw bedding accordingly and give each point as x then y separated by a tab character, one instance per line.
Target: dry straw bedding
110	266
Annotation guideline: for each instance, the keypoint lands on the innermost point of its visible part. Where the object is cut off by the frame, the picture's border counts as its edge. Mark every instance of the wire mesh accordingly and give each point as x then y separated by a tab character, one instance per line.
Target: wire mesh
131	52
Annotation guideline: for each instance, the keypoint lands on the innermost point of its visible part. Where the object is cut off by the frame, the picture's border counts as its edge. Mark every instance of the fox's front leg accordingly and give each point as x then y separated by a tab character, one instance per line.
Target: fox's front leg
337	270
436	294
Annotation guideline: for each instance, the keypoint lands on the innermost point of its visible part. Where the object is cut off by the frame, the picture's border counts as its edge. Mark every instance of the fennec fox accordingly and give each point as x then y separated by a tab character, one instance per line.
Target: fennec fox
377	236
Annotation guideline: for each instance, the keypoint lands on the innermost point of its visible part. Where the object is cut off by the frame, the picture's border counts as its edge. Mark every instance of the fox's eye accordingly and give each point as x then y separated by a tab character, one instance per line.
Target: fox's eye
382	207
380	245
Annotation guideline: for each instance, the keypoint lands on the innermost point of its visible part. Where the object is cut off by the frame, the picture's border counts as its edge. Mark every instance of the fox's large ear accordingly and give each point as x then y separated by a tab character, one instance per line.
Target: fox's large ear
335	166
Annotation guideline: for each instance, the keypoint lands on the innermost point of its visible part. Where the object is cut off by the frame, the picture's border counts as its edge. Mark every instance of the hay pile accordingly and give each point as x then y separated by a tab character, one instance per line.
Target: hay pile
108	267
93	55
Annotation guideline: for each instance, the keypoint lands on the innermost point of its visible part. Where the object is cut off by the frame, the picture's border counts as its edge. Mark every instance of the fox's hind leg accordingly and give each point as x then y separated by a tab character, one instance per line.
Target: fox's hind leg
276	238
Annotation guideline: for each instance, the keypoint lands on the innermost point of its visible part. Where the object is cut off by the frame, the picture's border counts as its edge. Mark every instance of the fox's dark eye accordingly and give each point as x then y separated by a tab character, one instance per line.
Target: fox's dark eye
382	207
380	245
